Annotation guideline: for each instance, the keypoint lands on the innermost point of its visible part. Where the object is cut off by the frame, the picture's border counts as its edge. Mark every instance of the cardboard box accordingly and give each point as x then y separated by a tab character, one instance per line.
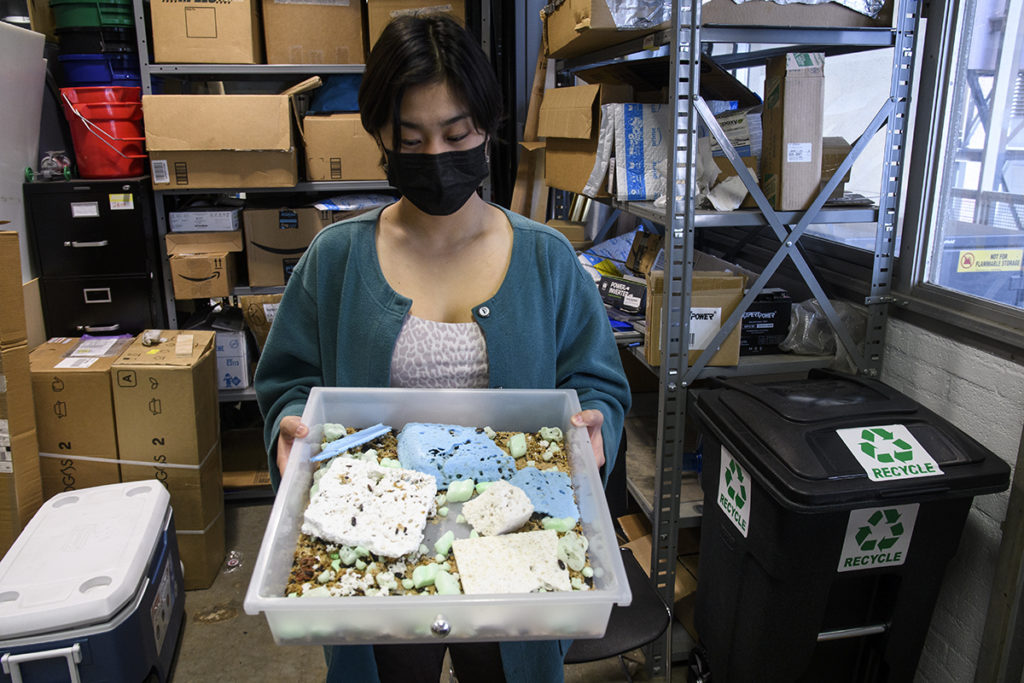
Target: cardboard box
21	491
196	494
275	239
765	323
74	404
578	26
338	148
204	242
202	554
17	413
203	276
232	360
833	151
380	12
726	170
244	141
766	13
205	219
165	399
713	298
318	32
194	31
245	460
644	252
258	311
570	119
13	329
573	230
62	473
794	104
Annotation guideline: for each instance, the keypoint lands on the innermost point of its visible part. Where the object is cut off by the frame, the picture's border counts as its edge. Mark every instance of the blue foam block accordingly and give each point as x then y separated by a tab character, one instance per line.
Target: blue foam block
550	491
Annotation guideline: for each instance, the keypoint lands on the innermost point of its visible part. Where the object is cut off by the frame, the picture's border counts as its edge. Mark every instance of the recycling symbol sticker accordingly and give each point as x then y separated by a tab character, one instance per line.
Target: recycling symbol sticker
888	452
734	492
878	537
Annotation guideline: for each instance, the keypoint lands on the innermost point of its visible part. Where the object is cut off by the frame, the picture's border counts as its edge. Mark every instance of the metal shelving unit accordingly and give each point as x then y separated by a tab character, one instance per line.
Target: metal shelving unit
670	500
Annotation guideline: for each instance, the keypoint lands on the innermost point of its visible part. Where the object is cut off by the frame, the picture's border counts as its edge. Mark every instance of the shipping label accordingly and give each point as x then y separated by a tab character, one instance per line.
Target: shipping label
704	325
878	537
889	452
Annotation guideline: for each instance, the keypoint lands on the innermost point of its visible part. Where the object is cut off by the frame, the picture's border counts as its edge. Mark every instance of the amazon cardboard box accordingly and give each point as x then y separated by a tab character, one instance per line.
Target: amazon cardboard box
578	26
570	119
203	264
218	141
195	31
165	399
792	123
338	148
308	32
380	12
275	239
713	298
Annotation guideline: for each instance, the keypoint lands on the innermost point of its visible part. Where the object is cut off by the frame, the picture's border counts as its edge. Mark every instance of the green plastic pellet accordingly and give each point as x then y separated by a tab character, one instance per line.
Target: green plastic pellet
334	431
443	511
560	524
446	584
461	519
550	433
325	576
423	549
588	572
347	555
439	558
517	445
423	575
408	584
576	583
360	565
293	595
336	565
362	552
460	491
333	555
483	486
474	534
531	463
444	544
390	462
440	499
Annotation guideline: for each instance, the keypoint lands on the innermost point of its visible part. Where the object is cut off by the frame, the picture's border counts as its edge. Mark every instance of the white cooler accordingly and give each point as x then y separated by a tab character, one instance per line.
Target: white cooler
92	588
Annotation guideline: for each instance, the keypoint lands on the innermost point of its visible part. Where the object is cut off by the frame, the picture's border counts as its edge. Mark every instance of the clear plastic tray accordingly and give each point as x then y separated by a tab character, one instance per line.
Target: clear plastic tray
431	618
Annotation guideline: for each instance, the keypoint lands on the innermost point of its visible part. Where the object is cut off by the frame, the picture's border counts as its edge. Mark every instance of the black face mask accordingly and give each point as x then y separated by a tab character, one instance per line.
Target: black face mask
438	184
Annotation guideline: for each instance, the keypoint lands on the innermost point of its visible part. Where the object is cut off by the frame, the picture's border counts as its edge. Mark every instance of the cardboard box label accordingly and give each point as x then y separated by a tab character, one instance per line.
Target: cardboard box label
799	153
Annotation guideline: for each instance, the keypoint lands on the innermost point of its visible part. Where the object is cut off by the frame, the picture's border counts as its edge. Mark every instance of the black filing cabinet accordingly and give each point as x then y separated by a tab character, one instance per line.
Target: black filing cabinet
97	256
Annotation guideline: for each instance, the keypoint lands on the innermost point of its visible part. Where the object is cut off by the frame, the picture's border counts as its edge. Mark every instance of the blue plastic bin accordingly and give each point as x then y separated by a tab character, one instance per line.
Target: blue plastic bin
107	68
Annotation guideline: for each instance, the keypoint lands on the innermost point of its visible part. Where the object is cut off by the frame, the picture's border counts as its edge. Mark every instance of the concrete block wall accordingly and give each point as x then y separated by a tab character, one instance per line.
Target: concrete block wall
982	394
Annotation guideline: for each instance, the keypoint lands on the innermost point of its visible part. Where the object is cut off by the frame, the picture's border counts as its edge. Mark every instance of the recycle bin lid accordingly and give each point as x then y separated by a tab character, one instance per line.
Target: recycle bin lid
81	558
835	440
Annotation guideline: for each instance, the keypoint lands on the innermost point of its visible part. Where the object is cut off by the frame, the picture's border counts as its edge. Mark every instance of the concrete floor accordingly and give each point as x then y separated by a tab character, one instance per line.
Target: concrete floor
220	642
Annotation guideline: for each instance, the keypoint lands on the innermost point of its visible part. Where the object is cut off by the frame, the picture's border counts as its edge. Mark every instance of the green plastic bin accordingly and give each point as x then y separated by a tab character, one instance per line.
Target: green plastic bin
92	13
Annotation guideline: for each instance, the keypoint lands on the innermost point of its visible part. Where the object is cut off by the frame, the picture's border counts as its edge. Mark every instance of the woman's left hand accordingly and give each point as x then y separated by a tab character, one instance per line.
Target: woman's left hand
592	420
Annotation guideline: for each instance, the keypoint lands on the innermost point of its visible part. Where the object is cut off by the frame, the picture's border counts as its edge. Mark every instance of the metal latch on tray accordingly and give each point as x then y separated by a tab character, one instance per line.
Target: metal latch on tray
72	654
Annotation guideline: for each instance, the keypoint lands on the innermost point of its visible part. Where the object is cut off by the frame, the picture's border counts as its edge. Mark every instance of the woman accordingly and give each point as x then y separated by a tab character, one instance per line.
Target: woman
439	289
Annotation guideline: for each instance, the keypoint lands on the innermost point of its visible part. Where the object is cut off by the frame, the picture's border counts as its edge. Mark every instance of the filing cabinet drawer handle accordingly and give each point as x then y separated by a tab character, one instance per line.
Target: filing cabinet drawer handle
80	245
98	328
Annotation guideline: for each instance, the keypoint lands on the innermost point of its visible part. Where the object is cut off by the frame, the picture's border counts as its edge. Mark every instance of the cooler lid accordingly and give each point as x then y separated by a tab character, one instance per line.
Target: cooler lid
81	558
836	439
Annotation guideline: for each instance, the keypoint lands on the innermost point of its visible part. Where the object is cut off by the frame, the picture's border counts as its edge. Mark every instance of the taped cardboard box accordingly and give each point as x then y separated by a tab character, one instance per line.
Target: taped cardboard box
196	494
338	148
276	238
244	140
793	120
571	120
13	329
258	311
833	151
21	491
194	31
322	32
165	398
63	472
203	264
233	370
381	12
713	298
204	219
202	554
575	27
245	460
74	403
768	13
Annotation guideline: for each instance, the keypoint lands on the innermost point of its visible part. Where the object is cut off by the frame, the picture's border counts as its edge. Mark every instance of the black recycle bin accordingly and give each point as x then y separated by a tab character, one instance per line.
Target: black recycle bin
831	508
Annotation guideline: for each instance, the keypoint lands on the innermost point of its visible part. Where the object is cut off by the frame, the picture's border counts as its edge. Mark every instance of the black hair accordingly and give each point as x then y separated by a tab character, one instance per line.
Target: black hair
417	50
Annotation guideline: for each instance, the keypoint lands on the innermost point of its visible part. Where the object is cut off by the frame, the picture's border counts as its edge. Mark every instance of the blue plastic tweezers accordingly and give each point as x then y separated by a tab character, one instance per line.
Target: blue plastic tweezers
351	441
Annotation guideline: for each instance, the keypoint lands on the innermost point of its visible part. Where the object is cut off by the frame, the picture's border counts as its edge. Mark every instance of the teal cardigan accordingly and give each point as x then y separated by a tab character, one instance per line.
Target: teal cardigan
546	327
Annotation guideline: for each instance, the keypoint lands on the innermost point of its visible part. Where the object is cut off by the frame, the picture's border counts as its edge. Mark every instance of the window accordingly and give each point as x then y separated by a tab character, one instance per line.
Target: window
965	198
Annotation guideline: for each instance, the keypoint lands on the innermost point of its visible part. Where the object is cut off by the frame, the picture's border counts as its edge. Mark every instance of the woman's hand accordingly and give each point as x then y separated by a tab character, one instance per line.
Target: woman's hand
291	428
592	420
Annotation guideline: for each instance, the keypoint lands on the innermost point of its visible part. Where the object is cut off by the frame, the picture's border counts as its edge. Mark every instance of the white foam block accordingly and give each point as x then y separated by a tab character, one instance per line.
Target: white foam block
513	563
383	509
498	510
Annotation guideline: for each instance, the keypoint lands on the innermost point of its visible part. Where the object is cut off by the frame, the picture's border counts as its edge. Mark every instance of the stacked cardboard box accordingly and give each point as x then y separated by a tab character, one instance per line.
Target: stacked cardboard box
380	12
313	32
194	31
74	409
21	491
168	428
203	264
276	238
337	148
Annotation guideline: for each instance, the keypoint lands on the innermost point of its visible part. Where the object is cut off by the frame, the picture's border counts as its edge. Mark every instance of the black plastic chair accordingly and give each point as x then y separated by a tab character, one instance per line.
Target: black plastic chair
630	627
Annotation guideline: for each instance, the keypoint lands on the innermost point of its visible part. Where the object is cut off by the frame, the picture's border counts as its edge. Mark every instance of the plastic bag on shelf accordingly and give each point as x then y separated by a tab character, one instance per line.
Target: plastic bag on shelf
811	334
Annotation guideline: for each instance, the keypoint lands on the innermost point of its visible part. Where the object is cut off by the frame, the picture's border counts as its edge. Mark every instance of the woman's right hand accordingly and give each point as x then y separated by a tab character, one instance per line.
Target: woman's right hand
291	428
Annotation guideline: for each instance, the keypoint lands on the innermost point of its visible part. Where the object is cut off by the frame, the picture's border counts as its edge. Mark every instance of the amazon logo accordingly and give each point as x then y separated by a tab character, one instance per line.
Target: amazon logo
278	250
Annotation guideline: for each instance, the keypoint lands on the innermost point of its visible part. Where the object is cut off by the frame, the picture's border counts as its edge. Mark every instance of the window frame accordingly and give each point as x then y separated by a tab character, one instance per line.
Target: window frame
937	60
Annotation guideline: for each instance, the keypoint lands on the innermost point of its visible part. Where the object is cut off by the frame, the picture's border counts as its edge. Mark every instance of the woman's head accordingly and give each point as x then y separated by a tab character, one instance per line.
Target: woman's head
426	50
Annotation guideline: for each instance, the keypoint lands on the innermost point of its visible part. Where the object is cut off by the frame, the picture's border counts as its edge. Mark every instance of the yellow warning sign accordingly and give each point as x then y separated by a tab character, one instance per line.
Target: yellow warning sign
989	260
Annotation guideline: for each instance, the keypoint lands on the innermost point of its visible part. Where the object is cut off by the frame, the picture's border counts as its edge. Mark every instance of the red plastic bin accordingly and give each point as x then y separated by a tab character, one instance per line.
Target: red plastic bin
106	129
